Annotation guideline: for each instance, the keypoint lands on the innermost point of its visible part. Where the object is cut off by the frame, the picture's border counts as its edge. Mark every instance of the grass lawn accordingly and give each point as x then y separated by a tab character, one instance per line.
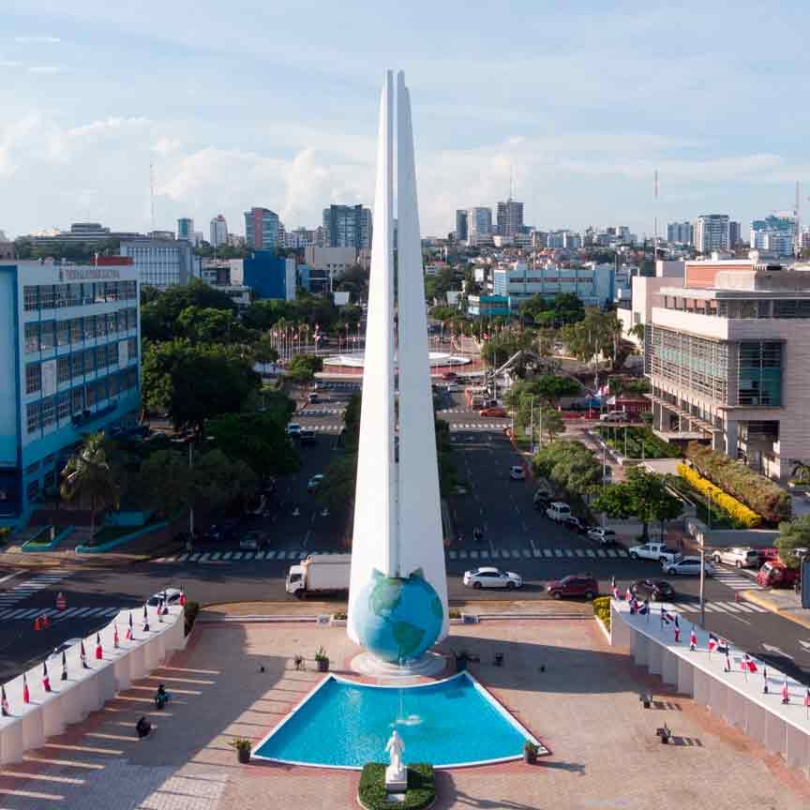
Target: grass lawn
641	442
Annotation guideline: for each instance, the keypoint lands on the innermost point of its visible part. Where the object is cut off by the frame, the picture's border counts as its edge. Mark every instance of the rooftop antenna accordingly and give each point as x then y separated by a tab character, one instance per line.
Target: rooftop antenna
797	242
655	225
510	182
152	194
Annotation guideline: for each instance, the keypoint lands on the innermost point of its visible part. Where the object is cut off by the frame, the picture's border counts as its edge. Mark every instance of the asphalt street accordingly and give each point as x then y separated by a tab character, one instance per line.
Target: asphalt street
516	536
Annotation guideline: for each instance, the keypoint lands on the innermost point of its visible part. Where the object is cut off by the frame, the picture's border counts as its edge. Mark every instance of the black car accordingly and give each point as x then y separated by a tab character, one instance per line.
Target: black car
308	437
577	525
655	590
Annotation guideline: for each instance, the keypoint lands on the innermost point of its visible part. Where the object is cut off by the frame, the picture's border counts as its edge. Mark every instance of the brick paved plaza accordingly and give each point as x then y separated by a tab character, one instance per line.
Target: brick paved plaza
584	707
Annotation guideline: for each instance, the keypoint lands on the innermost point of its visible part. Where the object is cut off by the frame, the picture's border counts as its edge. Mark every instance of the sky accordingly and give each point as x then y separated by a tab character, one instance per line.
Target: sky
274	103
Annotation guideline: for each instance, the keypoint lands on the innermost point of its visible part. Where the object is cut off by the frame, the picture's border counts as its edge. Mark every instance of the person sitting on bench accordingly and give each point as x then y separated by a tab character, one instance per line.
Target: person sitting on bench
143	728
162	697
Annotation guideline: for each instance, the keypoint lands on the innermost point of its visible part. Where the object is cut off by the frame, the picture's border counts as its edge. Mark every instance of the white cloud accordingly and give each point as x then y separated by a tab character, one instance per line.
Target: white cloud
10	63
164	145
37	40
45	69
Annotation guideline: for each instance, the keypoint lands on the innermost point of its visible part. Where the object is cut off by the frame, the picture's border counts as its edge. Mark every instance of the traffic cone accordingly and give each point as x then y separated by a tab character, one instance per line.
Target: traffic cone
182	598
37	624
4	710
61	602
129	629
26	693
46	681
46	622
64	666
99	651
115	637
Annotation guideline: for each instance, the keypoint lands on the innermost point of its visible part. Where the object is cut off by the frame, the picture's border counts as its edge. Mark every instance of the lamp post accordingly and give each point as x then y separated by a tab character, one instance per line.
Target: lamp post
703	563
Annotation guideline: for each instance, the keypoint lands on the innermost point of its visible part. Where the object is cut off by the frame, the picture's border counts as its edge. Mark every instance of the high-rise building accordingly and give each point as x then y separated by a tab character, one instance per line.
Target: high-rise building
479	225
774	234
219	231
347	226
734	234
185	229
711	233
161	263
70	366
681	233
261	229
461	225
270	275
510	218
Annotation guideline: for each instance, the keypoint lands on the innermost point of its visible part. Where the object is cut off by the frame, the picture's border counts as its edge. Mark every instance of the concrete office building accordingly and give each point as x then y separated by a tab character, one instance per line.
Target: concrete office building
594	284
712	233
681	233
461	225
185	229
86	233
270	275
161	263
479	225
347	226
727	364
69	349
509	218
218	231
734	235
262	229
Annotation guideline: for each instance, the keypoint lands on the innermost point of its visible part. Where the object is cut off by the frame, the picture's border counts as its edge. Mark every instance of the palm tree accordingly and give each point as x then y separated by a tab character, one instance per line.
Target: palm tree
88	476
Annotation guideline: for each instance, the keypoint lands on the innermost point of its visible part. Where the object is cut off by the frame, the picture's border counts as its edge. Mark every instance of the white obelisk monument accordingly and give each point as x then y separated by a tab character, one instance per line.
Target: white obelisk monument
398	591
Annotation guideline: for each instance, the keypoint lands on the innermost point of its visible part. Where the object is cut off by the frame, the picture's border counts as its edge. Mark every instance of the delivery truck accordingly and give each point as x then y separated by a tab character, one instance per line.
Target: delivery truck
320	574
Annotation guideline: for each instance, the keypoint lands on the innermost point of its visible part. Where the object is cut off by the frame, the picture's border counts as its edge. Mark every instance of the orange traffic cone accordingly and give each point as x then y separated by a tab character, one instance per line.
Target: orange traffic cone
37	624
46	622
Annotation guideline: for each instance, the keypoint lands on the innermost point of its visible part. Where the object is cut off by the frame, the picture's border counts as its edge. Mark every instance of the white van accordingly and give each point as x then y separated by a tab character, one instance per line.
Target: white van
559	512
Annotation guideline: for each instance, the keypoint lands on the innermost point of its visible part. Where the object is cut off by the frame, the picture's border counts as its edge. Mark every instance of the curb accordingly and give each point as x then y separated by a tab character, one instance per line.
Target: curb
753	596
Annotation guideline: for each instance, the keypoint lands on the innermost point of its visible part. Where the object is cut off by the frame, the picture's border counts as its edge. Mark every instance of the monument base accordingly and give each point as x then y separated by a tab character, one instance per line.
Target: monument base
427	666
396	781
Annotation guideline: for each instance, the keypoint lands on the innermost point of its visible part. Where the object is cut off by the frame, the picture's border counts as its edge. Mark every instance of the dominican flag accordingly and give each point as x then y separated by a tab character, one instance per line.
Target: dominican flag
644	609
46	681
748	664
115	637
6	713
26	693
83	654
677	628
182	592
616	595
129	629
628	595
785	692
716	643
99	651
64	666
668	618
692	639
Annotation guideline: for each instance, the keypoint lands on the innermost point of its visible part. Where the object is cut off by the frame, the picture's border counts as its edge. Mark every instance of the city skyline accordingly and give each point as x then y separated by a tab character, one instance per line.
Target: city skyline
581	127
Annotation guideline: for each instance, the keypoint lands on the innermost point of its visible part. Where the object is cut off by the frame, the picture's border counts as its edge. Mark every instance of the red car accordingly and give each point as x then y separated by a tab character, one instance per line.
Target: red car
574	585
449	375
492	412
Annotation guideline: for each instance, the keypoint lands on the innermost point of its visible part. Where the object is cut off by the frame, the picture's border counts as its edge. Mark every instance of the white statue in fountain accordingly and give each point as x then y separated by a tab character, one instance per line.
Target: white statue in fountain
396	777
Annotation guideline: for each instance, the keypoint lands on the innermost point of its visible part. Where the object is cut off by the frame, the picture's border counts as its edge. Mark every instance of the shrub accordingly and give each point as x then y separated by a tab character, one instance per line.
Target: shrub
737	510
454	613
601	608
760	494
421	791
190	614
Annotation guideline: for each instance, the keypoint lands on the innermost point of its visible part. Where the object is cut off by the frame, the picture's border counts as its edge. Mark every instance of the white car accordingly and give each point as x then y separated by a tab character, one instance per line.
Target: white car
559	512
605	537
517	472
294	429
686	566
738	557
613	416
170	595
654	551
492	578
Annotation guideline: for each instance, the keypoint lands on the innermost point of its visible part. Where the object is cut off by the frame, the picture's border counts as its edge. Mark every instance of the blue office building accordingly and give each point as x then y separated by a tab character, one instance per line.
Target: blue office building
269	275
69	365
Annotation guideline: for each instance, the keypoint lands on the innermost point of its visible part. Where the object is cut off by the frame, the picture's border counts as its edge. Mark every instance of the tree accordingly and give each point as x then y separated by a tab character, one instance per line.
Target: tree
212	325
793	535
568	308
88	477
598	333
570	465
196	383
303	367
259	440
166	481
643	495
506	343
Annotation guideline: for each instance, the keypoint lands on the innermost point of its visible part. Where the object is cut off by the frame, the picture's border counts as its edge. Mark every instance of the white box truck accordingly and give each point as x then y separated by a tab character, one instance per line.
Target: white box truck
319	574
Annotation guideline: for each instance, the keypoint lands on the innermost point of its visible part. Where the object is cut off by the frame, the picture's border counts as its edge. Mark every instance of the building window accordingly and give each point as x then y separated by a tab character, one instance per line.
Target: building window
112	382
101	357
76	331
32	468
46	297
49	480
32	416
33	378
101	325
132	346
63	370
61	296
89	361
63	333
31	337
78	400
32	490
112	354
47	335
112	323
760	373
31	298
74	295
63	406
77	364
48	411
49	460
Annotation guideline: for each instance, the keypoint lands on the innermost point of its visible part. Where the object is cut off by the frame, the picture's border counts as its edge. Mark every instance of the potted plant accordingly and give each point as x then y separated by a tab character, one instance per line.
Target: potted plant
243	748
530	751
322	660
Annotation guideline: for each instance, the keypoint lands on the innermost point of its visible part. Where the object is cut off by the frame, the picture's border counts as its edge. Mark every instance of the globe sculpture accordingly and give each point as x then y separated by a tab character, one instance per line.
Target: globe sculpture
398	619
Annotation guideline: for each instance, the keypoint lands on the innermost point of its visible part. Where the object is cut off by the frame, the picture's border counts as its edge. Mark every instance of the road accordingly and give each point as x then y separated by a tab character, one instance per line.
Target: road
516	536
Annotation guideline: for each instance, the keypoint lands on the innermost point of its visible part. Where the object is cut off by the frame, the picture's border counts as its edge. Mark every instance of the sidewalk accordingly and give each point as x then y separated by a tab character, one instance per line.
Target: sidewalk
781	601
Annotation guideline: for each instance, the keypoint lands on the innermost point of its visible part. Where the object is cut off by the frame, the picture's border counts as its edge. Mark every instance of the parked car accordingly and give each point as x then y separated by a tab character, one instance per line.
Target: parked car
312	398
314	482
574	585
541	500
492	578
575	523
686	566
170	596
452	388
739	557
517	472
656	590
614	416
559	512
449	375
605	537
307	437
252	541
294	429
496	411
775	574
653	551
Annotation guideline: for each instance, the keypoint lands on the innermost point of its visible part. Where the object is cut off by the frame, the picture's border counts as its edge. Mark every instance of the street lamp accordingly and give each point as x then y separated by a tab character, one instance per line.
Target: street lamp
703	561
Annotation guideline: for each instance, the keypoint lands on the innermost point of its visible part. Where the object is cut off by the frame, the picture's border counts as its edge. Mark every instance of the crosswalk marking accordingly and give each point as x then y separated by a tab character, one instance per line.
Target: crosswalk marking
590	552
733	579
580	552
195	557
227	555
27	614
477	425
723	607
237	555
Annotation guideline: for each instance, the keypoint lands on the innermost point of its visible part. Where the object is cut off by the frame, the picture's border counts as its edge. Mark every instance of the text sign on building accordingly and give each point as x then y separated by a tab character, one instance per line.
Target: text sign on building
123	353
88	273
49	378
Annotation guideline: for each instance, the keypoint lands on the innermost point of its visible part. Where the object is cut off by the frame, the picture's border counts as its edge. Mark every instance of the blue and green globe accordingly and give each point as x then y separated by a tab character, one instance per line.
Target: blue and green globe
398	619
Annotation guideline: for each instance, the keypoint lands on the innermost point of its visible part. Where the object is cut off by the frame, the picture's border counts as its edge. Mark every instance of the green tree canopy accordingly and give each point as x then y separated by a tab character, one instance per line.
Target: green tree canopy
793	535
196	383
212	325
598	333
570	465
303	367
160	315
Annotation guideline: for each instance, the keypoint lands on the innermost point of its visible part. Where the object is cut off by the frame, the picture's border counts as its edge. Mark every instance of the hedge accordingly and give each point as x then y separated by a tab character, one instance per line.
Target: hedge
421	791
601	608
738	511
758	493
190	615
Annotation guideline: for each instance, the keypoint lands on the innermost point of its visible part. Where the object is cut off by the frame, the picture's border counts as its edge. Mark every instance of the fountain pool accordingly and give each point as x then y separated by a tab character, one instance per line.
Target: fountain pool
343	724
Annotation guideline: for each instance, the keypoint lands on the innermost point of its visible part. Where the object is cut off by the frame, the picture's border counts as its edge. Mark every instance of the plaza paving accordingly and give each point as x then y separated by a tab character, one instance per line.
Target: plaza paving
584	707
